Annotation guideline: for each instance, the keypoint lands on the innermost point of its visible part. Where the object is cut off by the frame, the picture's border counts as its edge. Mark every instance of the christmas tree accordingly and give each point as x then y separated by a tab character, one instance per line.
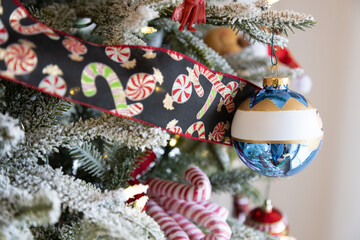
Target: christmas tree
69	171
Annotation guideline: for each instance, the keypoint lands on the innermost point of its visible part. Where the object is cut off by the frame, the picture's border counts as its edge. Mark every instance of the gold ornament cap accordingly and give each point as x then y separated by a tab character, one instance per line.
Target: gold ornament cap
276	83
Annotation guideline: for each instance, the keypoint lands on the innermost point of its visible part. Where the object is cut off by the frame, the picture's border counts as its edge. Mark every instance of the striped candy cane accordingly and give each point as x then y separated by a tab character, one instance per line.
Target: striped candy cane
15	22
167	224
197	127
219	229
4	35
219	210
93	70
199	191
213	78
209	101
230	92
189	228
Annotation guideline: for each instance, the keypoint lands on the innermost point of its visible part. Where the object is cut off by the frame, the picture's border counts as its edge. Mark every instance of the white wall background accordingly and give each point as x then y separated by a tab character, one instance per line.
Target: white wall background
323	201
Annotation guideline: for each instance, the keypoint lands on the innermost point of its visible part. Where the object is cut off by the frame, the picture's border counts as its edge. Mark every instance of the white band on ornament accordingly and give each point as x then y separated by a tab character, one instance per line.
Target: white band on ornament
282	126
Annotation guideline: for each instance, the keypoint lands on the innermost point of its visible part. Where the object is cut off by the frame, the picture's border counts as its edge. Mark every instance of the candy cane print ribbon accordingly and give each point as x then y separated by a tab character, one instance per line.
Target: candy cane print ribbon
155	86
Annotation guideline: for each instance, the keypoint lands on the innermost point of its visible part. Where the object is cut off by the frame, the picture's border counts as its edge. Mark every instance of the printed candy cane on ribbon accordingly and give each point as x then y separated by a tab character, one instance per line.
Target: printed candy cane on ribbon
199	191
15	22
4	35
167	224
198	127
121	55
19	59
88	76
173	128
75	47
189	228
209	101
219	229
231	90
213	78
214	208
135	109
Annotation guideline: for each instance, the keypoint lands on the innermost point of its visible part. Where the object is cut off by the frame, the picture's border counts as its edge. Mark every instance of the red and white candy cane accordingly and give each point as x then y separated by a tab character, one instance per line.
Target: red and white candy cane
189	228
20	59
219	210
4	35
15	22
199	191
54	85
140	86
198	127
135	109
213	78
177	130
167	224
231	90
120	55
219	229
75	47
182	89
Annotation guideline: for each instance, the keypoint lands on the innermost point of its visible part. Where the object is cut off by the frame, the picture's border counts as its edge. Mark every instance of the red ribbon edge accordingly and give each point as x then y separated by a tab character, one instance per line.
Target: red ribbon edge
18	3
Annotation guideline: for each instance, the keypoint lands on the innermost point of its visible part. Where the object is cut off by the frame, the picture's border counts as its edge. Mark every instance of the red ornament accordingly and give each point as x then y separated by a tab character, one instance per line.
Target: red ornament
268	219
190	12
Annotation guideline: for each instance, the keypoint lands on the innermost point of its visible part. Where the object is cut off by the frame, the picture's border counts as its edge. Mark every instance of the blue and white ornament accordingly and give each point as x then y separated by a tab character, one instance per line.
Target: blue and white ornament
277	132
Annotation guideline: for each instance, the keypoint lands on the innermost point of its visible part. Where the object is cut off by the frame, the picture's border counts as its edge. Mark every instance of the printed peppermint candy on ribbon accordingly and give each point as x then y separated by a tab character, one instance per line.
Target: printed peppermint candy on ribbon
155	86
4	35
121	55
75	47
20	58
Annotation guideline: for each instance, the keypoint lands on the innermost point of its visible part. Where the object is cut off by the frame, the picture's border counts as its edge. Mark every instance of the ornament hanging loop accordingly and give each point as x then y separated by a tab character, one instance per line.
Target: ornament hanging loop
274	65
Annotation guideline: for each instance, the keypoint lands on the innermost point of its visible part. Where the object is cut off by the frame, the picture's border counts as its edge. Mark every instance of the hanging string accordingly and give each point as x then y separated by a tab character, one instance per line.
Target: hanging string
268	188
273	53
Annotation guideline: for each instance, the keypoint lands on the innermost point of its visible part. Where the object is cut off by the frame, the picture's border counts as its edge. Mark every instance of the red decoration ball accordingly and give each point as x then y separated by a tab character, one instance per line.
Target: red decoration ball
269	220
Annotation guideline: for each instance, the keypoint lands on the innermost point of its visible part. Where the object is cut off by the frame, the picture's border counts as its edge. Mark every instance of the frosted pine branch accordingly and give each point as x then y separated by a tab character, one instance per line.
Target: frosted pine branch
124	131
242	232
287	18
21	210
105	214
10	133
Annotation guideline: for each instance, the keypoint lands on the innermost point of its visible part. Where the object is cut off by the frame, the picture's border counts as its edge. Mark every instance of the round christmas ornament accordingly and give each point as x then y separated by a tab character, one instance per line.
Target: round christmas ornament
268	219
277	132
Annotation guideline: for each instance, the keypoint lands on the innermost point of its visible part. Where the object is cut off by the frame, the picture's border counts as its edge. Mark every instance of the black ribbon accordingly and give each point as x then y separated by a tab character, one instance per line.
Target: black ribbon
156	86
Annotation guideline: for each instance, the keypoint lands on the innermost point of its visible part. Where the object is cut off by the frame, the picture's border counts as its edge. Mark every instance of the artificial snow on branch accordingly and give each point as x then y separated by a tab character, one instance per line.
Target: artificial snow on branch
242	232
10	133
21	210
104	214
124	131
